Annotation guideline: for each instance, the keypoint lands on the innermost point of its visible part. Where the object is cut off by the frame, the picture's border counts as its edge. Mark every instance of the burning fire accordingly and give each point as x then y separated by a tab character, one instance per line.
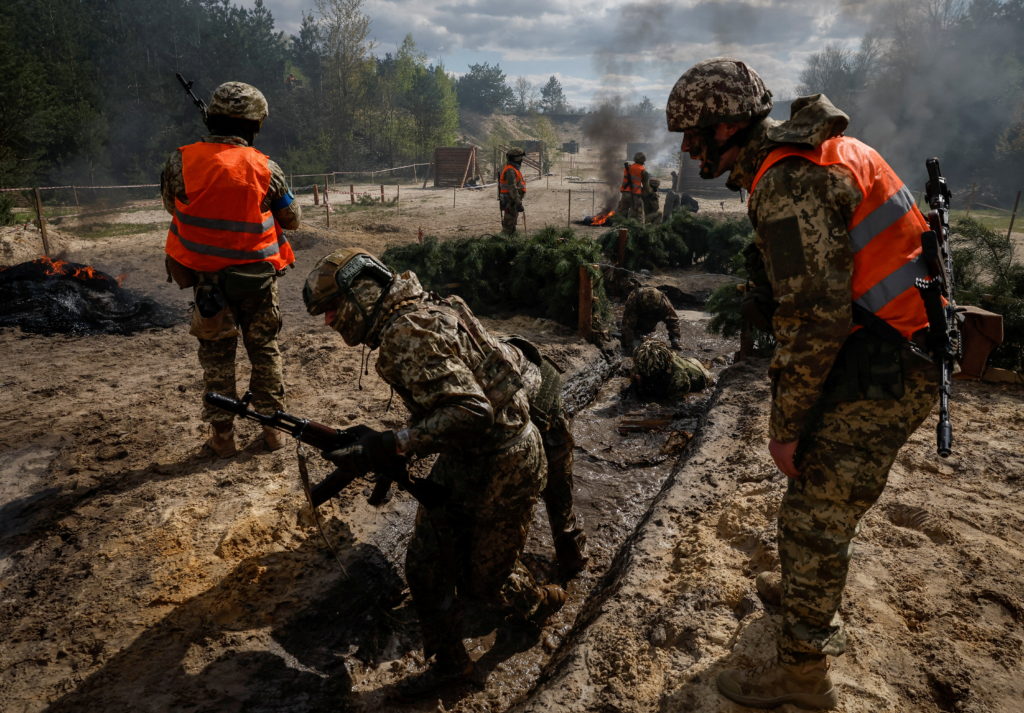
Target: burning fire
601	218
81	272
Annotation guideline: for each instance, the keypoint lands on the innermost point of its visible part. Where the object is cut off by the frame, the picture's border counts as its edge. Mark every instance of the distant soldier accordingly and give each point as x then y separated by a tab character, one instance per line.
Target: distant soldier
229	204
635	183
645	307
511	190
652	210
468	398
660	373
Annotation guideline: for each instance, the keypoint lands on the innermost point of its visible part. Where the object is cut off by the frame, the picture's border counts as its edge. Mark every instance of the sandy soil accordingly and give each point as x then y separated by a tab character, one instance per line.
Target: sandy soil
139	574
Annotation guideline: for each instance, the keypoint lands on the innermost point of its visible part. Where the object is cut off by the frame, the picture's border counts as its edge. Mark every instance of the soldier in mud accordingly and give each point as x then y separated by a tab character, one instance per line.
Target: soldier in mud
652	210
230	204
635	185
840	236
511	190
645	307
661	373
468	396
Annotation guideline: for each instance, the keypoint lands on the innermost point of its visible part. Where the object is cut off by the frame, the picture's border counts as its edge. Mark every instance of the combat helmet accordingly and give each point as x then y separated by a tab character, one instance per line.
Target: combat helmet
717	90
238	100
639	157
514	154
352	282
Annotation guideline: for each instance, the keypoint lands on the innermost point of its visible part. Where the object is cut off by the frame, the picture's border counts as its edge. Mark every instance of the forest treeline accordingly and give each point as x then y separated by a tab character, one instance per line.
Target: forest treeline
88	93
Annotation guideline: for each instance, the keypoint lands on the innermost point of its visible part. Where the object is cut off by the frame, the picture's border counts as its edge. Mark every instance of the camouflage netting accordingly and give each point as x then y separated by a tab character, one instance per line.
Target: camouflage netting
538	276
685	239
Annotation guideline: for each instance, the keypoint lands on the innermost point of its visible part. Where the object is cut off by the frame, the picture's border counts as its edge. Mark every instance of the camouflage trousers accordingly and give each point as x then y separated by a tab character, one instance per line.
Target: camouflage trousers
557	494
468	548
257	317
631	205
509	217
844	466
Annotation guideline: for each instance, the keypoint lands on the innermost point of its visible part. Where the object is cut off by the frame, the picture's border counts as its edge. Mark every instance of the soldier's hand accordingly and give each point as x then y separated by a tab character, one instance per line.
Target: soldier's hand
372	451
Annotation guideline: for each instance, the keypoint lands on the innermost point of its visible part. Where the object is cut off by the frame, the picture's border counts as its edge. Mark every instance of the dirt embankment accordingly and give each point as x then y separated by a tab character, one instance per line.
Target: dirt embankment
139	574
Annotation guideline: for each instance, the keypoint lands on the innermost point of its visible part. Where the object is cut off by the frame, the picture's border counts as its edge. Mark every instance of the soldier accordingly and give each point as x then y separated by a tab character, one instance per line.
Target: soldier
230	204
840	238
511	190
635	184
465	393
645	307
652	211
660	373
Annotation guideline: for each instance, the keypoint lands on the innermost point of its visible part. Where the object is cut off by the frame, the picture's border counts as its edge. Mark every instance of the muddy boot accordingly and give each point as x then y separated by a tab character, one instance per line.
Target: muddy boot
769	587
451	667
571	551
222	440
804	685
553	598
272	439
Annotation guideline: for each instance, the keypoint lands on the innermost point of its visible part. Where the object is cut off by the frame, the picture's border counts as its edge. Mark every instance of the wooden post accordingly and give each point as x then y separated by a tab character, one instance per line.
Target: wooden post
316	195
568	213
79	205
42	221
398	198
419	235
327	208
1013	216
351	193
454	191
586	303
469	162
382	194
426	177
414	178
621	247
593	201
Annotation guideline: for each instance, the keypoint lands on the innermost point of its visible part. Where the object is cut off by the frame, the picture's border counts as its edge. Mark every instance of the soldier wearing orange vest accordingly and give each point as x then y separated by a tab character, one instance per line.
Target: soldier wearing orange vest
229	205
635	185
840	239
511	190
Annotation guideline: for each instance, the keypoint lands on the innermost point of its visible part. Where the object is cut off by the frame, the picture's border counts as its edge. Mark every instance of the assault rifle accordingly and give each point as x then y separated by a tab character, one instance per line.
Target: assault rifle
326	438
195	100
943	340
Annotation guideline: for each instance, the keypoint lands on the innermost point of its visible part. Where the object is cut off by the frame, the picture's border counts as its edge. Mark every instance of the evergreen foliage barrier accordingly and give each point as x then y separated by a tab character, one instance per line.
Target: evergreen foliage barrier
538	275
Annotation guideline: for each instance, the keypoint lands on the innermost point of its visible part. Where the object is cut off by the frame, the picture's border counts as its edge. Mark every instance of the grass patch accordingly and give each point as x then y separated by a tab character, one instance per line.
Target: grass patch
98	231
997	220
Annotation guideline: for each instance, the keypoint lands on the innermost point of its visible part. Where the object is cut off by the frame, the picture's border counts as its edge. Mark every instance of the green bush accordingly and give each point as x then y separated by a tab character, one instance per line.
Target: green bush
986	275
6	209
538	275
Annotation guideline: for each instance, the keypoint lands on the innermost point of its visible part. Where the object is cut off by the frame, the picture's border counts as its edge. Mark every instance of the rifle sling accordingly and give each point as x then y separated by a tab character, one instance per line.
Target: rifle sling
304	477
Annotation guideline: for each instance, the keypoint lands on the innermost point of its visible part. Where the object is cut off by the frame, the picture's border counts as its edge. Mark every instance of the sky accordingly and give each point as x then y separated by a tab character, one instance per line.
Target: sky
599	49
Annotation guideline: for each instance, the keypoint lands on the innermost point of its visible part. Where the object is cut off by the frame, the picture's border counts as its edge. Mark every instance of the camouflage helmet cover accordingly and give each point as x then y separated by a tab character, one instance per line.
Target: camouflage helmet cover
639	157
239	101
349	281
515	153
717	90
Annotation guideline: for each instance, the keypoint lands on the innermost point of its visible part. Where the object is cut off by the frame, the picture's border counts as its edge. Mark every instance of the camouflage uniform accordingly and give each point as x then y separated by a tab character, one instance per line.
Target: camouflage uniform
511	191
652	210
852	400
645	307
658	372
256	315
492	462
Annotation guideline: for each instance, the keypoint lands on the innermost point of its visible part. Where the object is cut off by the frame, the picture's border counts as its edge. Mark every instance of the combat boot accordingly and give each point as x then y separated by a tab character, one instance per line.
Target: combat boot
553	598
272	439
769	588
805	685
451	667
222	440
571	552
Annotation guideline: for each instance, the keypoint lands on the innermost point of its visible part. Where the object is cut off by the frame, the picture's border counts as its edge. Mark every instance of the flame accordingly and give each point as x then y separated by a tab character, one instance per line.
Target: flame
602	218
59	267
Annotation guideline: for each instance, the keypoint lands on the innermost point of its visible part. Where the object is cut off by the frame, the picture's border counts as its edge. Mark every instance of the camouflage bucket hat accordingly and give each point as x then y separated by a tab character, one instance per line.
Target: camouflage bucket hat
239	101
716	90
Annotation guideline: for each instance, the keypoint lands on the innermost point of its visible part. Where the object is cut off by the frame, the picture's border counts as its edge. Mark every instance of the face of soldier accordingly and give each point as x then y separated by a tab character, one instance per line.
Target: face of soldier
695	143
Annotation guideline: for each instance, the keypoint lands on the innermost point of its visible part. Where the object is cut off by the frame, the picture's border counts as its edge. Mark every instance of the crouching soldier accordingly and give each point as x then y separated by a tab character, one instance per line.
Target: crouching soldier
660	373
464	391
645	307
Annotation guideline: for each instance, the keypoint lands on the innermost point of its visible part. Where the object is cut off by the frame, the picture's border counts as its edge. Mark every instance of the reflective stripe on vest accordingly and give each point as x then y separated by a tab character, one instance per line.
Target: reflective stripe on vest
633	178
885	231
223	224
504	185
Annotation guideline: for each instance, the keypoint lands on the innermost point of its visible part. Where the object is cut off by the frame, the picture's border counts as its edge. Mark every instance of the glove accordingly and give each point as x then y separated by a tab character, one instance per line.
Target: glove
371	451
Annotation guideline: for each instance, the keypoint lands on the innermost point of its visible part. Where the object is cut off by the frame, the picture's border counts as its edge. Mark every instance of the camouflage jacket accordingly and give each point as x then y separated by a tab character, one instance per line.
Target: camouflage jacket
800	213
429	358
172	185
645	307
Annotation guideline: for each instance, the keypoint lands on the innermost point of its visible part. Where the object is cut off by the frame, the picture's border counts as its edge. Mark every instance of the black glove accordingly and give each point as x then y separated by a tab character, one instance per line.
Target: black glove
371	452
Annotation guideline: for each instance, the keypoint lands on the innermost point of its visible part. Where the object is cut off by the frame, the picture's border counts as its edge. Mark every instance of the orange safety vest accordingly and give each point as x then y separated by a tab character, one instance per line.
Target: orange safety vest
885	232
222	223
505	186
633	178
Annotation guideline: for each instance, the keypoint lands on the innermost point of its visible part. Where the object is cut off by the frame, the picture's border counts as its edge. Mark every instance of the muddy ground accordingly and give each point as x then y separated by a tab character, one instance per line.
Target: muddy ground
139	574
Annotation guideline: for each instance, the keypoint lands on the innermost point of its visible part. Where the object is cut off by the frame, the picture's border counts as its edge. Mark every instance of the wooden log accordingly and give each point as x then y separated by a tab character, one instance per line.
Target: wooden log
620	253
